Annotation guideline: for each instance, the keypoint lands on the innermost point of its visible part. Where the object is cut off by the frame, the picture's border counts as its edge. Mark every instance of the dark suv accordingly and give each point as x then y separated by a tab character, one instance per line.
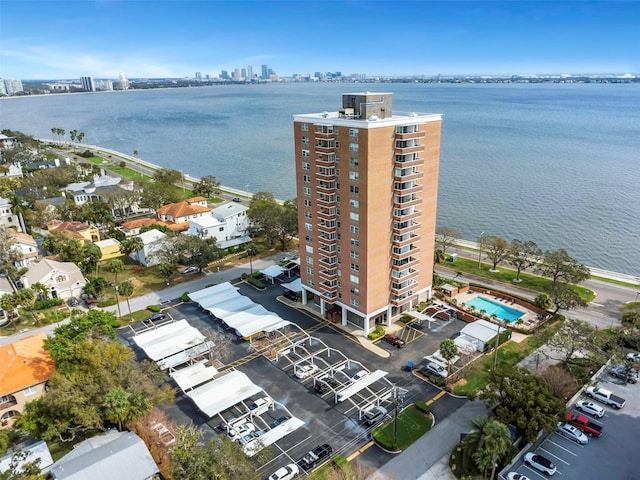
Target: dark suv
316	456
394	340
156	317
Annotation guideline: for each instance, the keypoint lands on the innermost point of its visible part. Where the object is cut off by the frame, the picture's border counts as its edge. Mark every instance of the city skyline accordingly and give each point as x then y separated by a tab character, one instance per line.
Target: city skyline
177	39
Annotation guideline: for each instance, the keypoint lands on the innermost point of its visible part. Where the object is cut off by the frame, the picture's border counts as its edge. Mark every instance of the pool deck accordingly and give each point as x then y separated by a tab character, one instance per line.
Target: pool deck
529	319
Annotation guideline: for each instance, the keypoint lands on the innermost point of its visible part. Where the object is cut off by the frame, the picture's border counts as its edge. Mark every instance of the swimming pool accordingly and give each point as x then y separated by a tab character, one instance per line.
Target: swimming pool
495	308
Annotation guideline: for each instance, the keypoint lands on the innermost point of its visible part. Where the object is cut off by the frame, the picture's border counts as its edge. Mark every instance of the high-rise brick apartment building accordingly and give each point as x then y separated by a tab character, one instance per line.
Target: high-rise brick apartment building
367	188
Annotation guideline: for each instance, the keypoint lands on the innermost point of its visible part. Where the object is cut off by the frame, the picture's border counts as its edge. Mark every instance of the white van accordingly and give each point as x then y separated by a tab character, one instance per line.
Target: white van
260	406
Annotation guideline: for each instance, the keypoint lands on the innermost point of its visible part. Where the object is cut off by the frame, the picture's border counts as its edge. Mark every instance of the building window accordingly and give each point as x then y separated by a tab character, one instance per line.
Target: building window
355	267
308	227
353	147
354	279
61	278
310	270
353	162
310	281
354	255
309	249
307	215
353	188
309	260
304	127
305	140
305	153
307	238
354	203
307	202
354	216
354	242
307	190
221	229
305	165
30	390
354	175
353	132
353	229
354	302
306	178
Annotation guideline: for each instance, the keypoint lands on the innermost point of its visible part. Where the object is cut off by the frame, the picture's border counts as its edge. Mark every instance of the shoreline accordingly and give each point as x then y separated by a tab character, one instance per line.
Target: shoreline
595	271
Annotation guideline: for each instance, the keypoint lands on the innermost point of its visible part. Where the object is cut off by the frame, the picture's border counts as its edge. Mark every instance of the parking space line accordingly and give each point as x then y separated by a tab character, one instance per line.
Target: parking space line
563	448
555	456
533	470
360	450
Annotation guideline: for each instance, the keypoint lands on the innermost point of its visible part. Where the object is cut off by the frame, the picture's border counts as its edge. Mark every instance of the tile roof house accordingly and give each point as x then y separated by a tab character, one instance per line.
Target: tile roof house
228	224
74	229
132	227
64	279
180	213
115	455
26	367
7	217
27	247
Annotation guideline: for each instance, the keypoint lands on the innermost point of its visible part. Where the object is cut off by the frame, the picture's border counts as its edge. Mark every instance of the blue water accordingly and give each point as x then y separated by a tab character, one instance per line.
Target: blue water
494	308
555	163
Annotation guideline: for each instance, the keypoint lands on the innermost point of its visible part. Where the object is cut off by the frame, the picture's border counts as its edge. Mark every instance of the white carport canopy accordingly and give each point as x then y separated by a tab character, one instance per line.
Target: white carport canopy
169	339
295	286
260	323
194	375
272	272
214	289
231	305
218	395
185	356
215	298
272	436
360	385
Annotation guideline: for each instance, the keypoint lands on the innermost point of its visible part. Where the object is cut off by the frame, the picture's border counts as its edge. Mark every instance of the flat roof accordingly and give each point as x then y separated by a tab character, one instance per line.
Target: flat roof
194	375
169	339
220	394
211	290
360	385
272	436
184	356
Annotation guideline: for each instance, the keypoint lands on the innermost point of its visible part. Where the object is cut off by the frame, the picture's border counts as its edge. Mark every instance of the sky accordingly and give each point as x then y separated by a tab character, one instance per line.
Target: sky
152	39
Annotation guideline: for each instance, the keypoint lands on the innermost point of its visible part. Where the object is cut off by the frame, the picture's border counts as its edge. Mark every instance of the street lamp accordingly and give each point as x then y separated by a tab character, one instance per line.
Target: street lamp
480	251
246	187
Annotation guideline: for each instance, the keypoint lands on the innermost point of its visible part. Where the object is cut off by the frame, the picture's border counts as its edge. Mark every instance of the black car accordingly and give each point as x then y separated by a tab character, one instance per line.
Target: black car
394	340
316	456
235	199
73	302
290	295
321	388
155	317
279	421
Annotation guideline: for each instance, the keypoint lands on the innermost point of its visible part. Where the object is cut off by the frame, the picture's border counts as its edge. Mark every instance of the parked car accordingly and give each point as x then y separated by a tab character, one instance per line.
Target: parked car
591	427
572	433
305	371
291	295
633	357
605	396
237	431
260	406
591	408
540	463
89	302
153	318
250	437
188	270
374	415
228	421
321	388
235	199
516	476
316	456
73	302
437	369
285	473
332	382
359	376
394	340
279	421
623	373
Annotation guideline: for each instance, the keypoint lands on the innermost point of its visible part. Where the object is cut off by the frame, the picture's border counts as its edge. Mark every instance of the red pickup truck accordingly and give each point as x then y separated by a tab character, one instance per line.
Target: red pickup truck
588	426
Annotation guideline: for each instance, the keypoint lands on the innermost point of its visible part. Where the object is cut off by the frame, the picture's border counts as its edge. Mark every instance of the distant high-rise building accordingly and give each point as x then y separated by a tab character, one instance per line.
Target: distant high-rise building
236	75
3	89
249	72
123	81
224	75
12	87
198	76
244	73
88	84
104	85
367	233
265	72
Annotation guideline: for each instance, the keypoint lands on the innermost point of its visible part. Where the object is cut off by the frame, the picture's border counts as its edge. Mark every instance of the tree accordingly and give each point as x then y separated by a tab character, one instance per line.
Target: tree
446	237
9	254
559	381
543	301
488	441
523	255
288	222
96	286
564	297
166	271
497	440
154	195
207	186
41	290
123	201
194	250
116	266
22	468
126	290
438	256
497	249
572	338
630	314
523	400
265	214
449	351
131	244
252	251
167	176
9	303
559	265
118	406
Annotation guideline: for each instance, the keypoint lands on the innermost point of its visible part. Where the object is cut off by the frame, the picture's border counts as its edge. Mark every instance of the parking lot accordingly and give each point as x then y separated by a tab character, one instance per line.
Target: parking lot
610	456
325	421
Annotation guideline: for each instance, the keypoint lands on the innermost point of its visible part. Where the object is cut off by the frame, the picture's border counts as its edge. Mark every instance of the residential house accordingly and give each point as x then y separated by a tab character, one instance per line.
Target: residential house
11	170
7	142
152	241
63	279
180	213
228	224
38	451
132	227
7	217
41	164
5	288
121	455
27	247
110	248
26	367
80	230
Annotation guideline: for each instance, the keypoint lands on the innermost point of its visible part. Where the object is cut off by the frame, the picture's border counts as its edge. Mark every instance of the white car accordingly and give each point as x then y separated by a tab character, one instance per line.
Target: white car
236	432
591	408
359	376
540	463
260	406
516	476
304	371
189	270
572	433
285	473
437	369
633	357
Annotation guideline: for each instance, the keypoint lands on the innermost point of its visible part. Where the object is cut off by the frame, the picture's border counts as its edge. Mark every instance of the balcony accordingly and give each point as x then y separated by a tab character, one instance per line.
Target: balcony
325	146
410	135
406	188
328	275
405	214
405	240
325	187
408	262
407	175
410	160
326	159
403	201
328	262
327	214
329	295
326	174
403	288
326	200
400	228
329	250
10	401
327	239
404	149
397	300
324	132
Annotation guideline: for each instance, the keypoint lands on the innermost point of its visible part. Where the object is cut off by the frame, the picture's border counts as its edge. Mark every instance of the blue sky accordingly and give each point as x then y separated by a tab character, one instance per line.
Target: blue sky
67	39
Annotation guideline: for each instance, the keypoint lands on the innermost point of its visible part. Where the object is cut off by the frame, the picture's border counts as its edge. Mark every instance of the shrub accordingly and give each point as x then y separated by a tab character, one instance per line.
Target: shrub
244	276
123	164
257	275
406	318
154	308
435	379
107	303
256	283
86	154
185	297
423	407
45	303
377	333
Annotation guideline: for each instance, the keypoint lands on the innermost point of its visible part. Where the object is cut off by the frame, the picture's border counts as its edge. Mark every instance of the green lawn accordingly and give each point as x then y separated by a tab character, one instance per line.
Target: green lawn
505	275
412	424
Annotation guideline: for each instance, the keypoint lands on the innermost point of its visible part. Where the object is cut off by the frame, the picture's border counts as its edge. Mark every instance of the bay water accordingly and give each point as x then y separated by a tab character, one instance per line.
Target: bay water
555	163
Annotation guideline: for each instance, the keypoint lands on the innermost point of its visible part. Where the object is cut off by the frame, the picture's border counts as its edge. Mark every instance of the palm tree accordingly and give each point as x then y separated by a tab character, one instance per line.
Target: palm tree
80	137
116	266
73	134
9	303
252	250
497	440
489	438
449	351
126	290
